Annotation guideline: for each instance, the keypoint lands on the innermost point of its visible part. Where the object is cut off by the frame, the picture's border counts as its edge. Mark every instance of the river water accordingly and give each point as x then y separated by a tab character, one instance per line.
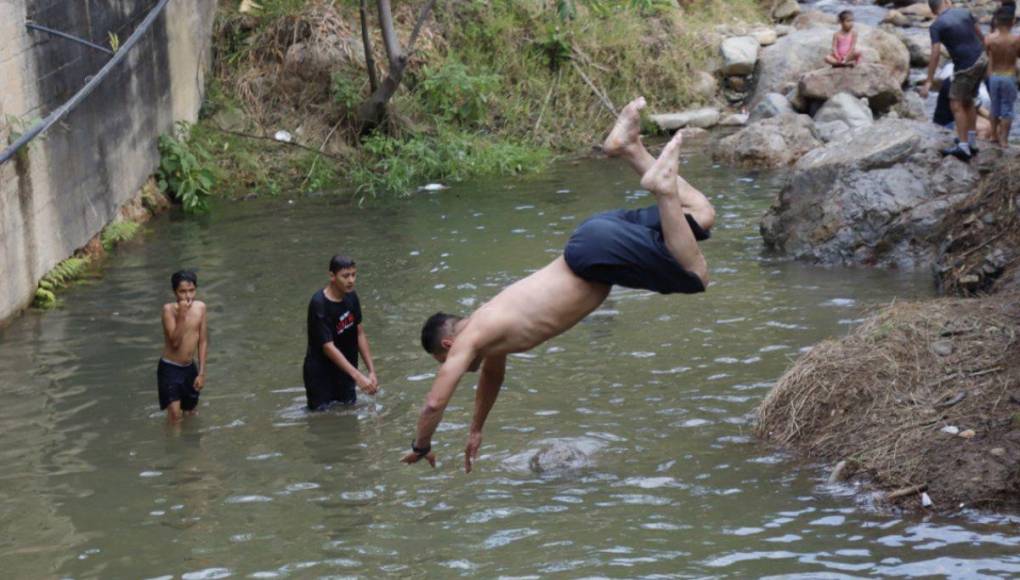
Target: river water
655	394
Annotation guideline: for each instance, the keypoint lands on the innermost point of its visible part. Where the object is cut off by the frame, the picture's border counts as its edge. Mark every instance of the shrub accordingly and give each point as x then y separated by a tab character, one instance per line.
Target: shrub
184	170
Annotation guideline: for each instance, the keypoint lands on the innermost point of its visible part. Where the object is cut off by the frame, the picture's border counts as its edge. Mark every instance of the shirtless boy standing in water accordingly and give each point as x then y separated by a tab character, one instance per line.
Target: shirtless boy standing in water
185	332
1003	49
655	248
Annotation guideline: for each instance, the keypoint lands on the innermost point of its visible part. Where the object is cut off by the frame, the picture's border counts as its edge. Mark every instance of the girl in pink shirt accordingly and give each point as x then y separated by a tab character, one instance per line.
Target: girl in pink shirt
844	43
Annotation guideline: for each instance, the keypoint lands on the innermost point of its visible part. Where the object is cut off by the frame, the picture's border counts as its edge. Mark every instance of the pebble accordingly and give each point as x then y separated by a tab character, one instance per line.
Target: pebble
968	434
942	348
998	452
950	429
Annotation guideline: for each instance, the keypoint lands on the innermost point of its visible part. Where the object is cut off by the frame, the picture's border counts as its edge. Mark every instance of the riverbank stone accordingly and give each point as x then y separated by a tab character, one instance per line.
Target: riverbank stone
852	111
871	81
802	51
774	142
870	197
739	54
772	105
702	118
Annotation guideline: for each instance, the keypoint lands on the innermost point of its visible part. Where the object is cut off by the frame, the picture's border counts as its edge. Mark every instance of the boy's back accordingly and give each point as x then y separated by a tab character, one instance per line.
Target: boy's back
1003	50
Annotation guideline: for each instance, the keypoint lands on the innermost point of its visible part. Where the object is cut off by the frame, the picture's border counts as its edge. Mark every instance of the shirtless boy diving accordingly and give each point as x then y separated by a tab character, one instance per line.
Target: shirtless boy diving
185	333
654	248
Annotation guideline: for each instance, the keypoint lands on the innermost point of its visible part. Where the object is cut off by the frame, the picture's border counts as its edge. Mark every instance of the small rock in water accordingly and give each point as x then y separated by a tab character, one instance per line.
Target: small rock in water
950	429
968	434
942	348
926	500
998	452
283	136
433	187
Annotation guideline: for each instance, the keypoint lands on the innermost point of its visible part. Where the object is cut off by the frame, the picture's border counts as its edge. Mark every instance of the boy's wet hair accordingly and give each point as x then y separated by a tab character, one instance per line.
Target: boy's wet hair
845	15
433	331
1004	17
340	262
935	5
183	276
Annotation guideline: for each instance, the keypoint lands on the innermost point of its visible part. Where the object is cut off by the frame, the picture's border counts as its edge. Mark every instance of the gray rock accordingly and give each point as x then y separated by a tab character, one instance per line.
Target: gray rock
765	36
871	81
831	130
739	54
703	118
802	51
773	142
772	105
846	108
872	197
705	85
911	107
786	10
734	120
918	43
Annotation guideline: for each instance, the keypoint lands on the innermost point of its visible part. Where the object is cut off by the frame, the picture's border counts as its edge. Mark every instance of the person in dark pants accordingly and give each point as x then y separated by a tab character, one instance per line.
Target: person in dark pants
957	29
655	248
335	338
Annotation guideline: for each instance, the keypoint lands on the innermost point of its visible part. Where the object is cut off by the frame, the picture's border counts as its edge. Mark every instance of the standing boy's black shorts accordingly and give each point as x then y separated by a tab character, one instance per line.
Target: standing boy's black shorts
327	386
626	247
177	383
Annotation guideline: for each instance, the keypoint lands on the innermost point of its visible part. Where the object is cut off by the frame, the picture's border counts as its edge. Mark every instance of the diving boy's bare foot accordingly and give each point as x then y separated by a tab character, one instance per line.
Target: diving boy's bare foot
627	129
660	178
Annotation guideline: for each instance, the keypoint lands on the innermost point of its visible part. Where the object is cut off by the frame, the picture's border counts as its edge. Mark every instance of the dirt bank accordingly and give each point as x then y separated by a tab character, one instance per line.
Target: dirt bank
888	398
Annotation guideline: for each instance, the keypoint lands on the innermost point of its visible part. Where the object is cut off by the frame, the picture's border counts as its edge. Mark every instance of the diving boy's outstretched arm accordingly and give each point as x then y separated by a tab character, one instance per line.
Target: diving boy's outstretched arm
493	371
453	368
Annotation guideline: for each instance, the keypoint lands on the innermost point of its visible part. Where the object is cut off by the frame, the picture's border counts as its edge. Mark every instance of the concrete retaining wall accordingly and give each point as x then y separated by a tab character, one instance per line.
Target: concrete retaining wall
70	183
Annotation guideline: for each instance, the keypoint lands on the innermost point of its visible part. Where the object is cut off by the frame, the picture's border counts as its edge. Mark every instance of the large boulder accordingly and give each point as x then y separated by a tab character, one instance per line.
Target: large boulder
774	142
785	10
870	81
871	197
739	55
918	43
846	108
772	105
785	62
701	118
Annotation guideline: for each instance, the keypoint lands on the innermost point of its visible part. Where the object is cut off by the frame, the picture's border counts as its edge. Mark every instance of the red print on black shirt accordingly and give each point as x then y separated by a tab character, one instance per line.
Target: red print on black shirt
346	321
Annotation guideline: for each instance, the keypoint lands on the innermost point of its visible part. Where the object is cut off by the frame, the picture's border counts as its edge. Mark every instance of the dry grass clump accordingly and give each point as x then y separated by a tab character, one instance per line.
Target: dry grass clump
880	397
979	245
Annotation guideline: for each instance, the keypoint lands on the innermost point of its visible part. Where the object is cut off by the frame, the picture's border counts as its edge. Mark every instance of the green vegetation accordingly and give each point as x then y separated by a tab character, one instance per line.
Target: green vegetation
185	170
61	276
118	232
495	87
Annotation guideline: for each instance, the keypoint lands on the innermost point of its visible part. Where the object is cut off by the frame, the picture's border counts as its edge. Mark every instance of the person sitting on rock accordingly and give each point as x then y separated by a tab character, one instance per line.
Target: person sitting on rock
844	43
655	248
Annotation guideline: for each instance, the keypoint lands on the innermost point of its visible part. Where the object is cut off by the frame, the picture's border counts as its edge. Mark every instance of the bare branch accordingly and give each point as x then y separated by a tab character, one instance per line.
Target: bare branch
390	41
366	39
422	16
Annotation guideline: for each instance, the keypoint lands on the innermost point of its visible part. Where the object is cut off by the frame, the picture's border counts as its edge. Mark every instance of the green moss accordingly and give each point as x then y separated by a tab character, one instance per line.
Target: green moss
118	232
44	299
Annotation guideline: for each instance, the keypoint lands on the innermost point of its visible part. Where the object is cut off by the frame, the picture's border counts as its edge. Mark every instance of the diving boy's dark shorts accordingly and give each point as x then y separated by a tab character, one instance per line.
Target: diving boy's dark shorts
177	383
626	247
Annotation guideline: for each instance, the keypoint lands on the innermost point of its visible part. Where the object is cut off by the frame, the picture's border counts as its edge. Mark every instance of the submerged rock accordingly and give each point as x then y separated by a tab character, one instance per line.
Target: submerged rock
773	142
871	197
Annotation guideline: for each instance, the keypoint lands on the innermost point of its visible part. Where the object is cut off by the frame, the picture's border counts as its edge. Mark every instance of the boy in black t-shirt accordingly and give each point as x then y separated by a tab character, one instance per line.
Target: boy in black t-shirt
335	338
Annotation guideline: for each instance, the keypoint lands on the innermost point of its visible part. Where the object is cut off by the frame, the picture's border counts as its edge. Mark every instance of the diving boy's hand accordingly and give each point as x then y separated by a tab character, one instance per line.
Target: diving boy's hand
367	385
199	382
413	457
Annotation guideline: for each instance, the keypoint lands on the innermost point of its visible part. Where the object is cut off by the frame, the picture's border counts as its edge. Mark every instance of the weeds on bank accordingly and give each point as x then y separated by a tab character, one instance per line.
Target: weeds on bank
61	276
185	170
499	86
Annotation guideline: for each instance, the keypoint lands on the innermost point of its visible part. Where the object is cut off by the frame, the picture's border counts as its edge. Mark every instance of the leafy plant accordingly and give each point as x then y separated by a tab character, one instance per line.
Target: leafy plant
118	232
114	41
184	170
60	276
345	93
453	93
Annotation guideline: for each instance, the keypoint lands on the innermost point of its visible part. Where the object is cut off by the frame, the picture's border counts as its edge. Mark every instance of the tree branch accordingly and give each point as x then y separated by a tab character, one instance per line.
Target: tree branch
422	16
390	41
366	40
